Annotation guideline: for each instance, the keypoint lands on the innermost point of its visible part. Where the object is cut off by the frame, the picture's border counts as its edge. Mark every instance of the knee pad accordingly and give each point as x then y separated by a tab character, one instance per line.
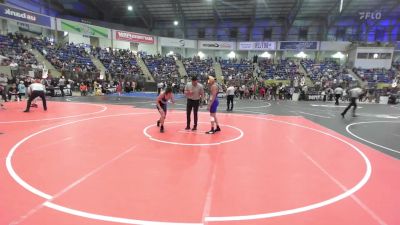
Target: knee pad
212	119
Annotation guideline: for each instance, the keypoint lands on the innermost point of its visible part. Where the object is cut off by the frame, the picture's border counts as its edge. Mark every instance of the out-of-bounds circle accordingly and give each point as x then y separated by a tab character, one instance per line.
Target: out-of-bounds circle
327	202
255	107
240	132
89	215
370	142
104	108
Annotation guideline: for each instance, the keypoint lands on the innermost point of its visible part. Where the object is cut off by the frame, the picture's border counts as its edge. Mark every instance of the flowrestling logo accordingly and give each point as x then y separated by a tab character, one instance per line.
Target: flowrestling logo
216	45
22	15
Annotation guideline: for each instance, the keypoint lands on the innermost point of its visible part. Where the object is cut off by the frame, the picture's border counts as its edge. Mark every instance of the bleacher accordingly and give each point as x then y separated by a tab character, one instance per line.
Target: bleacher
118	61
324	71
396	65
376	75
284	70
199	67
161	68
68	57
12	47
237	69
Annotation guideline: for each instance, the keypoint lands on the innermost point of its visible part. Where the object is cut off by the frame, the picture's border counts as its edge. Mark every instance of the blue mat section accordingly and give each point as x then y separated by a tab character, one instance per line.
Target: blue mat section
151	95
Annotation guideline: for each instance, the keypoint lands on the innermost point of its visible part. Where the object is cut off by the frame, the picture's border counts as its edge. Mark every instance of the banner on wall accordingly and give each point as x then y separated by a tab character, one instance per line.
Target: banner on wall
133	37
217	45
298	45
25	16
84	29
176	42
257	46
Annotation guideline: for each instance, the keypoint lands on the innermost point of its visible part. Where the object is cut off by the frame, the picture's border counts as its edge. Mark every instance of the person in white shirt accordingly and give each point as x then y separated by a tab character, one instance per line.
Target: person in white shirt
354	94
160	86
338	93
61	84
230	94
35	90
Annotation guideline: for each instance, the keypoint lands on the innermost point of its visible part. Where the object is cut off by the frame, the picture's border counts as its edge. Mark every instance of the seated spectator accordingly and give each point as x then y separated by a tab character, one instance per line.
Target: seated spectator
162	68
202	68
83	88
376	75
327	73
13	52
234	69
67	57
118	62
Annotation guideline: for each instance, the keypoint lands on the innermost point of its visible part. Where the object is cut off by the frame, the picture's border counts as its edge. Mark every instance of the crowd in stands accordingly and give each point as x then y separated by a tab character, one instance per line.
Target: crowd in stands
66	57
376	75
199	67
327	73
118	62
396	65
13	52
283	70
162	68
237	69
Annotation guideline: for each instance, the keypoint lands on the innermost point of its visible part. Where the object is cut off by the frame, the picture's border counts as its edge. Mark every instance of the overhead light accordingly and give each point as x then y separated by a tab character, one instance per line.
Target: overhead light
176	23
265	55
130	8
231	55
201	55
301	55
338	55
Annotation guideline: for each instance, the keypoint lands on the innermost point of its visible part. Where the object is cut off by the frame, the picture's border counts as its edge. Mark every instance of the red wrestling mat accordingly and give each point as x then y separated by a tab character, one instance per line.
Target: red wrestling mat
93	164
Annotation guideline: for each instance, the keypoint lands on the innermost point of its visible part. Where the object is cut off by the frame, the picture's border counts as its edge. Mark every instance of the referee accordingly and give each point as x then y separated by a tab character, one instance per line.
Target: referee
194	93
36	90
354	94
230	94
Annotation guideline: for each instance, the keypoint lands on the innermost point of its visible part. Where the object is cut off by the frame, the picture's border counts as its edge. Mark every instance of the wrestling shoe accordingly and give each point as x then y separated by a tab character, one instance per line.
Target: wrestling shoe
212	131
217	130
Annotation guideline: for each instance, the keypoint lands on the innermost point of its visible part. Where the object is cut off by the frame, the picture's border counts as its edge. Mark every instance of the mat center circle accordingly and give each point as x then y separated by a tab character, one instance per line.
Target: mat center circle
176	134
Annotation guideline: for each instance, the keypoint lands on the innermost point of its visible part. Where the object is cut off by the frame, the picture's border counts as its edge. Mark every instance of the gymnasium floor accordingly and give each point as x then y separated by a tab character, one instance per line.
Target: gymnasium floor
96	160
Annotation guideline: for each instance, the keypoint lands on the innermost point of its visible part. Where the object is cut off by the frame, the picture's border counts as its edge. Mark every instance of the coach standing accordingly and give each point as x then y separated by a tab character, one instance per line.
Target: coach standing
35	90
194	93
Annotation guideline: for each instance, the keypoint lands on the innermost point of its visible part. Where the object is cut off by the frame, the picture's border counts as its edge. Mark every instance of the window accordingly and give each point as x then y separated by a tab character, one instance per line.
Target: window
362	56
373	56
386	55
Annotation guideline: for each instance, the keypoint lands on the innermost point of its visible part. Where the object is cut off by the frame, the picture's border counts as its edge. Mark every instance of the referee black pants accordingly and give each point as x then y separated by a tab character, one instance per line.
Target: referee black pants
229	102
337	97
34	95
192	104
62	90
3	92
352	103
